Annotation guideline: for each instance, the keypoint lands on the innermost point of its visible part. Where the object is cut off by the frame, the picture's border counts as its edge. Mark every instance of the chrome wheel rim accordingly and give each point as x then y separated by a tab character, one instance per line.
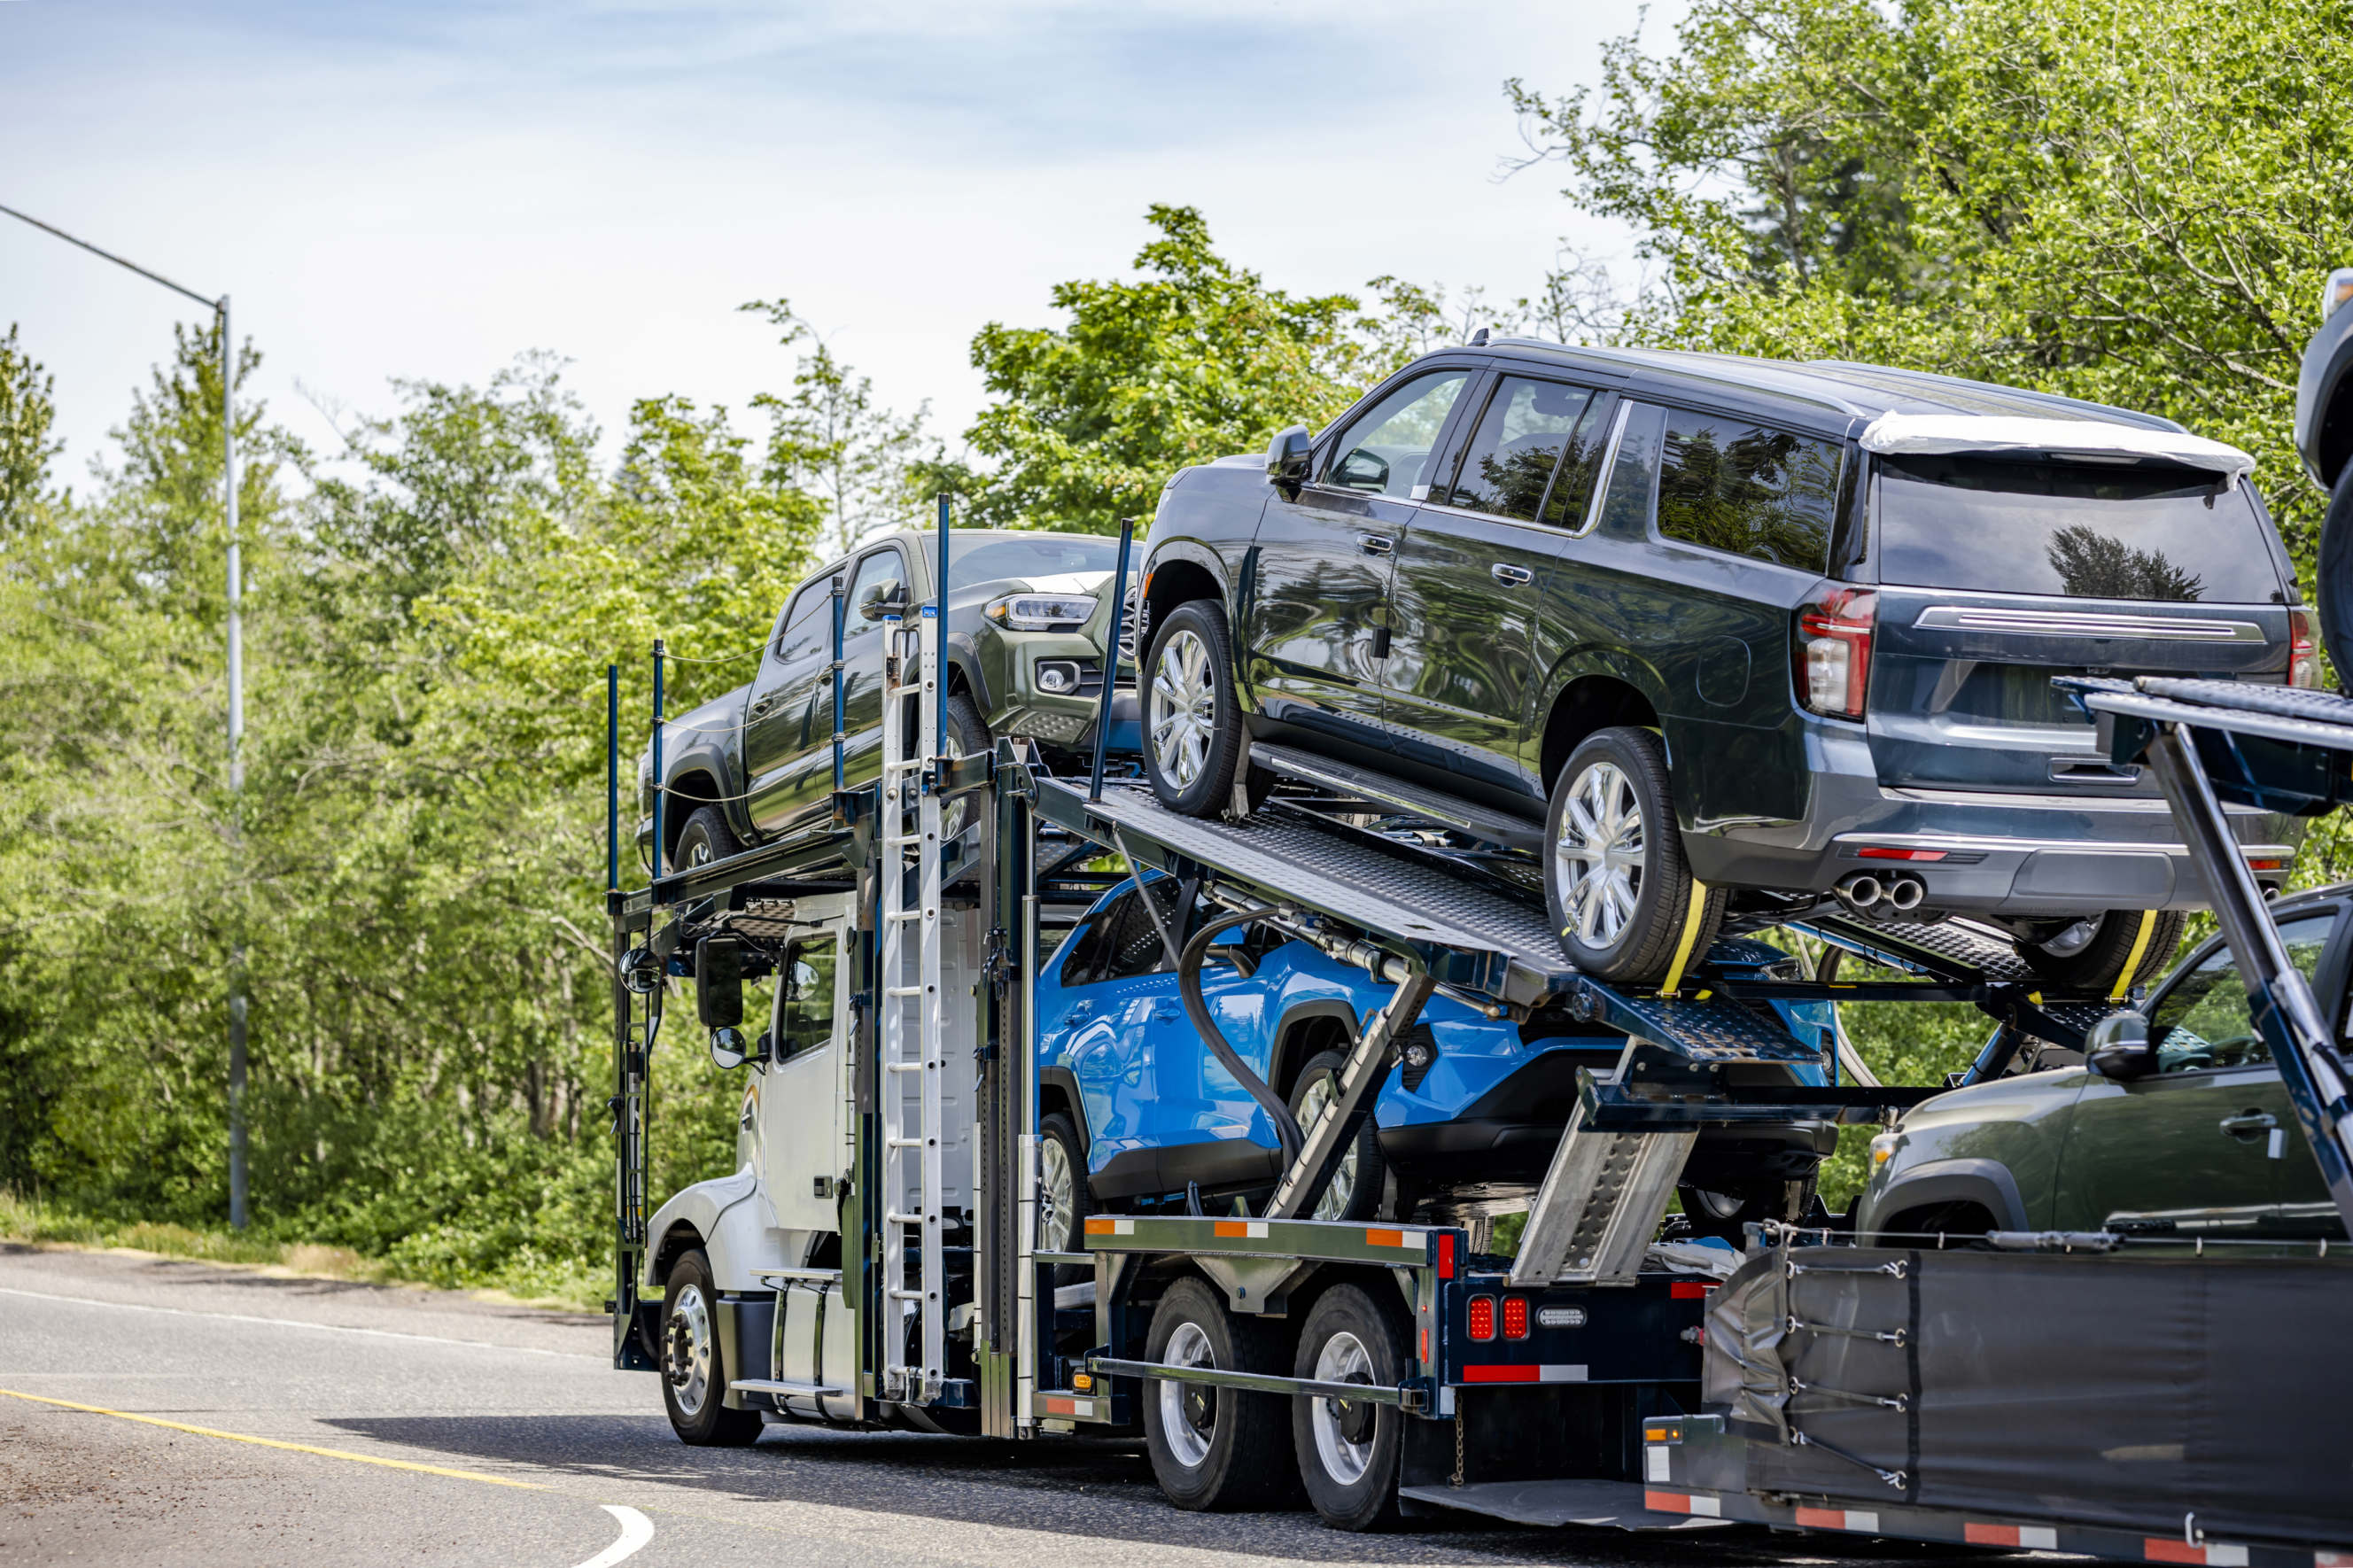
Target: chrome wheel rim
1183	713
687	1363
1600	855
1344	1428
1058	1193
1188	1411
2072	939
1322	1090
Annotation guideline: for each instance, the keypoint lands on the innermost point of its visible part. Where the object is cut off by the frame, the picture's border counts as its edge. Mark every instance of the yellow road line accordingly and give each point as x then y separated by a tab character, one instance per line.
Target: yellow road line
274	1443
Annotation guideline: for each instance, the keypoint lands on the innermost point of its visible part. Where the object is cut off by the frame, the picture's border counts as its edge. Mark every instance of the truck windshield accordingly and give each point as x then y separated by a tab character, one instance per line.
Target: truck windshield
1052	555
2144	531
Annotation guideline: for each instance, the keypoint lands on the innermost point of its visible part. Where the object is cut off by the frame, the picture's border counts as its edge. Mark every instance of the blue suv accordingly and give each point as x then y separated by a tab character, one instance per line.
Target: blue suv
1138	1111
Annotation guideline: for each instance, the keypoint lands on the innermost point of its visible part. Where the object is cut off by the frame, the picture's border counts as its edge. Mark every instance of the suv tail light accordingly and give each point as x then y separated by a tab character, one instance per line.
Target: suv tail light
2303	653
1833	650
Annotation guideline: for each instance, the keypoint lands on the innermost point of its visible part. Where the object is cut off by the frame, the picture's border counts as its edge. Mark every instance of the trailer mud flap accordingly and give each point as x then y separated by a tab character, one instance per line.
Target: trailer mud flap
2160	1393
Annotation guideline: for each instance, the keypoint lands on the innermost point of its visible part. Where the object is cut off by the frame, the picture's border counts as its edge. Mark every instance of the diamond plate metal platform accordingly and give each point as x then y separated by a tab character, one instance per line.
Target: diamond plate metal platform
1474	935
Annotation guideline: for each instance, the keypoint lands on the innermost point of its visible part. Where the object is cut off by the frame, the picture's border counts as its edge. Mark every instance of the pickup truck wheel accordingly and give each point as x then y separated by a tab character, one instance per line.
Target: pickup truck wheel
704	838
1215	1449
1354	1193
1615	882
694	1370
2093	953
1348	1449
1192	716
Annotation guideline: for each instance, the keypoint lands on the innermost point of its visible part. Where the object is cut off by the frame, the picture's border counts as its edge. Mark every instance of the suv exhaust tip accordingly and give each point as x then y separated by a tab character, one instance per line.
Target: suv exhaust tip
1862	891
1905	893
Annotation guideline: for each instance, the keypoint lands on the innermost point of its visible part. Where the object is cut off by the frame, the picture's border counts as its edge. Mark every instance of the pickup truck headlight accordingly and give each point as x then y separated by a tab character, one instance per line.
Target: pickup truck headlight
1040	612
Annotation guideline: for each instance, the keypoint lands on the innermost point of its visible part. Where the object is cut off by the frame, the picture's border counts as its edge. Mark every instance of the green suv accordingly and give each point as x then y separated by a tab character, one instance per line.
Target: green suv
2188	1131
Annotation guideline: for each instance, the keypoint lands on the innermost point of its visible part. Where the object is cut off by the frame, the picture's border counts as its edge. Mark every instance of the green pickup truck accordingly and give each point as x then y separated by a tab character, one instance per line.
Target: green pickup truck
2188	1131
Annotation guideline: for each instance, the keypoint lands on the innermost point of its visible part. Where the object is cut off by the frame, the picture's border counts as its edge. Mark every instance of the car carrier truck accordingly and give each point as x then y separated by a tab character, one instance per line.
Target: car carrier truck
873	1261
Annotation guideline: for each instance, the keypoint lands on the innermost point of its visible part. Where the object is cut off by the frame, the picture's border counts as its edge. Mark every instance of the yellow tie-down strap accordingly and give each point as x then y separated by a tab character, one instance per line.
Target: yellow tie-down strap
2139	951
1694	918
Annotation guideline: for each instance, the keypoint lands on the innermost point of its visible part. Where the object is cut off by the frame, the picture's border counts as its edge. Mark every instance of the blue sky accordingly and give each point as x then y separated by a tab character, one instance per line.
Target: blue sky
424	190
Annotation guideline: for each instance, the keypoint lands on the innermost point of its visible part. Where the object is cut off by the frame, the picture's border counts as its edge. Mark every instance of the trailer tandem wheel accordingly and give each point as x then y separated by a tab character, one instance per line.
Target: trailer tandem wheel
1348	1449
1216	1449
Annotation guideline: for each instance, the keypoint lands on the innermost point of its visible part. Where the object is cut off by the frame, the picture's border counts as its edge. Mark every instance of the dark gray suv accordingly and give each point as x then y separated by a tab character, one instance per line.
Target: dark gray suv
1708	636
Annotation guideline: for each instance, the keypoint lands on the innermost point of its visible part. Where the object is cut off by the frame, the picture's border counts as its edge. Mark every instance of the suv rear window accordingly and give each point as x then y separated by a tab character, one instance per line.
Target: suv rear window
2144	531
1748	490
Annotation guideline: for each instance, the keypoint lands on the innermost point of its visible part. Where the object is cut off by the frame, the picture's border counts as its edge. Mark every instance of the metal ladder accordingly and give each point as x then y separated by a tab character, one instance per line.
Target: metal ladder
1602	1202
910	1048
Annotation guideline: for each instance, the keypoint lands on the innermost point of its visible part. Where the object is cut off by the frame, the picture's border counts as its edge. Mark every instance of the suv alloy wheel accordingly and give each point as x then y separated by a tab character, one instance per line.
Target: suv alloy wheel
1192	720
1616	884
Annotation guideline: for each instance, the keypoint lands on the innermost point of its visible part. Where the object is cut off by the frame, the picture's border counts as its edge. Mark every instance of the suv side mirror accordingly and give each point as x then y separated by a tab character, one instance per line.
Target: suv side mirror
2117	1048
882	599
718	982
1288	456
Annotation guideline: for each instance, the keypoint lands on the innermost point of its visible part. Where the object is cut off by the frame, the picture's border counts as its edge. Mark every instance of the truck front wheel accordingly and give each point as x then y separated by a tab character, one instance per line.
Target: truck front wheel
705	837
1215	1449
694	1372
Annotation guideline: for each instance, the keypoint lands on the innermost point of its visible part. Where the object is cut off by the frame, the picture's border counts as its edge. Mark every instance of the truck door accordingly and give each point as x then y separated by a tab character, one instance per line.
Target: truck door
2193	1139
787	744
801	1099
1324	557
884	570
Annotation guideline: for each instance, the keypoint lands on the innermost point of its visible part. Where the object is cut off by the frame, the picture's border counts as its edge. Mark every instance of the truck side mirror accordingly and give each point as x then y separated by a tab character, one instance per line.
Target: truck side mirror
718	983
2117	1048
882	599
1287	457
727	1049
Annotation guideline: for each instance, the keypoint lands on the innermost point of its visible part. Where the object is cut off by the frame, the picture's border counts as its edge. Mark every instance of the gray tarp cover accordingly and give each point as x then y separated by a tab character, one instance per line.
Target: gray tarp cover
2114	1390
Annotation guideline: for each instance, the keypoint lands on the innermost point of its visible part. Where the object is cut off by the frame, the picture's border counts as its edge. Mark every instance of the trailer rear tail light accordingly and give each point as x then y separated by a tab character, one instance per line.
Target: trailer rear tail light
1832	650
1482	1317
2303	652
1561	1317
1515	1317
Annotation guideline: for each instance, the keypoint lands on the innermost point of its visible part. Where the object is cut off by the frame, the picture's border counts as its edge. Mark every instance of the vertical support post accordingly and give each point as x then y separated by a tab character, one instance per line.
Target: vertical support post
661	791
1025	1145
840	601
612	778
237	1204
940	598
1110	658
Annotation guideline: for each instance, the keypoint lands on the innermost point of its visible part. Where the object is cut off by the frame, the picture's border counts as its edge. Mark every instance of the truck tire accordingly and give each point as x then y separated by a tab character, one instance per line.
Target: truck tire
694	1370
1616	883
1355	1190
1348	1451
1215	1449
705	837
2095	959
1727	1210
1192	714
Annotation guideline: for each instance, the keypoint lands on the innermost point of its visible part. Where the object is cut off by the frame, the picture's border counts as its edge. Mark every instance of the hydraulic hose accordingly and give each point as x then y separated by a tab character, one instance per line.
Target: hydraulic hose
1189	984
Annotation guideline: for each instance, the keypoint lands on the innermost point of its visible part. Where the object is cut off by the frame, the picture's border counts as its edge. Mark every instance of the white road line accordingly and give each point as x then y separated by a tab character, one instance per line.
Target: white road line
296	1323
636	1531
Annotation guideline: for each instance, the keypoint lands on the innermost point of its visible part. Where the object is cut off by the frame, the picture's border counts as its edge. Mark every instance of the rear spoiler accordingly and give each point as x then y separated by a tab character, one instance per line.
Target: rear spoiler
2093	438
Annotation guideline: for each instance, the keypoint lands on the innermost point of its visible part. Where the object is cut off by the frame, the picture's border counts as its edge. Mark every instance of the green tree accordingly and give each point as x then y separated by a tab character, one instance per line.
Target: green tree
829	437
27	413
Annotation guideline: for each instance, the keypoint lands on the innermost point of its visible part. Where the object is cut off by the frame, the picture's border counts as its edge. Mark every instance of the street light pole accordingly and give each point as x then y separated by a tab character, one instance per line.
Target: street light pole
236	1171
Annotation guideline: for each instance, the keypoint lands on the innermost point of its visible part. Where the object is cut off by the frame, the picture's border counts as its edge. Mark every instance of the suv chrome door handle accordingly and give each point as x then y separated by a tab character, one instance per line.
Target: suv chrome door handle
1374	543
2253	1122
1509	575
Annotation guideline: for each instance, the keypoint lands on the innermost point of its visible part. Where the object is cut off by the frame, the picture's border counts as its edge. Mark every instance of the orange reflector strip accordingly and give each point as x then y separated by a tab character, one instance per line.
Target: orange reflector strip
1990	1534
1654	1434
1230	1227
1385	1238
1098	1226
1666	1502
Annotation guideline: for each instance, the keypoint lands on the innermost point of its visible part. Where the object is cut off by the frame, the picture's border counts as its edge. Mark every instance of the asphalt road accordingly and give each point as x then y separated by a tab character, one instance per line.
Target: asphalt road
456	1431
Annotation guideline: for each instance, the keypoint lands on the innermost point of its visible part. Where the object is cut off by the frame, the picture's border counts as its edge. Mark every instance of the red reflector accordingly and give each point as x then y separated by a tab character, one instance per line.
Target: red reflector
1515	1317
1446	1254
1889	852
1502	1374
1482	1317
1689	1290
2266	865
